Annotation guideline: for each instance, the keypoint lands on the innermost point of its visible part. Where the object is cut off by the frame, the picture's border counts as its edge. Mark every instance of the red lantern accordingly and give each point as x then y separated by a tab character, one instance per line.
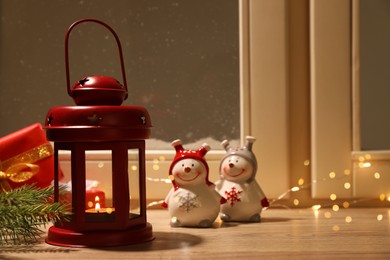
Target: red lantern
100	123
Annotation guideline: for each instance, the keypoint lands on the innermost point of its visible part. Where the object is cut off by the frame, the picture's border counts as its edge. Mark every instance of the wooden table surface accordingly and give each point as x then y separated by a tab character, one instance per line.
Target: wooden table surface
283	234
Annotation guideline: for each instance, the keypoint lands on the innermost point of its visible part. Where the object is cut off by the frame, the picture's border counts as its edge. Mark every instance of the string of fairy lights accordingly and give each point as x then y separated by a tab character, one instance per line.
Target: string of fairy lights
330	207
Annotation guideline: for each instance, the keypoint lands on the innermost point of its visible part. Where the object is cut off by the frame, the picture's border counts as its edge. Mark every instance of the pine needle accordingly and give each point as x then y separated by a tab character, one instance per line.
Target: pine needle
24	210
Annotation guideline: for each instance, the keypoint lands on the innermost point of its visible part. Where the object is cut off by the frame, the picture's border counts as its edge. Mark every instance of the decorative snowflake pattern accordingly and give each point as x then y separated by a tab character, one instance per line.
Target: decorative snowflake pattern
233	196
188	201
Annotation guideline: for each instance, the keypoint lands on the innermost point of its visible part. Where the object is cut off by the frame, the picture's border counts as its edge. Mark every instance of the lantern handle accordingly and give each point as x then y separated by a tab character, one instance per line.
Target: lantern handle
67	52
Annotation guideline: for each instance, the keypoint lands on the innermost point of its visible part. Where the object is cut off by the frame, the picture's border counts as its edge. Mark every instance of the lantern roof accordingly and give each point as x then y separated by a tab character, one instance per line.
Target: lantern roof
98	115
98	90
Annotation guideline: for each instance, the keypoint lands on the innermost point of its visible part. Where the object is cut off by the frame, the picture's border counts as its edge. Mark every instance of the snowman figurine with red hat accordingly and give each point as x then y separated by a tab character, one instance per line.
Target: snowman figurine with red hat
193	200
237	183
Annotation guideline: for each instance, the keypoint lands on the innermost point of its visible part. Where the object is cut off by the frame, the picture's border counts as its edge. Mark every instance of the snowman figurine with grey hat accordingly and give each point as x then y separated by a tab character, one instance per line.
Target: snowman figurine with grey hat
237	184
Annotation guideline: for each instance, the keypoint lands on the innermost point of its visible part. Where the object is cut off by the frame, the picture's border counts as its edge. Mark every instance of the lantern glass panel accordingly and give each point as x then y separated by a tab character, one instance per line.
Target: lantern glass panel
65	170
98	189
134	183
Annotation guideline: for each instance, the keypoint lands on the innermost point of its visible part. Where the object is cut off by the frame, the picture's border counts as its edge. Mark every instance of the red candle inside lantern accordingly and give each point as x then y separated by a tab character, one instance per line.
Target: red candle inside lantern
93	197
100	123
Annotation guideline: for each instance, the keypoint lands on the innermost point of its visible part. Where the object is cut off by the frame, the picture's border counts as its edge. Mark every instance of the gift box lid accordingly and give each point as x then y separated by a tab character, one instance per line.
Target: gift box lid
28	145
21	140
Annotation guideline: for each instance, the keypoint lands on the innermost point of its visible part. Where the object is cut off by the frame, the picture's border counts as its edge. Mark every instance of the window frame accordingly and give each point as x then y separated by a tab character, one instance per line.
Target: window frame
335	107
331	114
264	112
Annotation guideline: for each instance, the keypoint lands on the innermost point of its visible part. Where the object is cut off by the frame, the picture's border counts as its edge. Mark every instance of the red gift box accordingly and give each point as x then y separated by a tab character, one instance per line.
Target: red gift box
28	146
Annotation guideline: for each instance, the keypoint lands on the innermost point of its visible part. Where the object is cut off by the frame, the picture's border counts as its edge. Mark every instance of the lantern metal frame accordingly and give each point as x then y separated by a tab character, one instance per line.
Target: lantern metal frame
119	129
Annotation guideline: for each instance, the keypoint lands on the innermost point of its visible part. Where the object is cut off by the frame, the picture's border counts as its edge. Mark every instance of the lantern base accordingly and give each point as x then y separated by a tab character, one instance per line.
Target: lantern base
69	238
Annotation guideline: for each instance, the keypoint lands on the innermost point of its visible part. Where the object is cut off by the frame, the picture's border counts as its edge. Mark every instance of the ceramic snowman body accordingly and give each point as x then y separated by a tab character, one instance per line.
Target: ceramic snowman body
193	200
237	183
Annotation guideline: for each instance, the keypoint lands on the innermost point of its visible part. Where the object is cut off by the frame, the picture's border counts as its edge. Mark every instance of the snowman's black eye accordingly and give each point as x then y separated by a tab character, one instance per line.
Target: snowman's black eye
193	165
182	165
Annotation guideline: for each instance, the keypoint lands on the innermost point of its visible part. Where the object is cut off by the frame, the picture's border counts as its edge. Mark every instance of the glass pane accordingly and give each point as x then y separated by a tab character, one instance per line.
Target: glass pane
181	59
98	191
65	167
134	183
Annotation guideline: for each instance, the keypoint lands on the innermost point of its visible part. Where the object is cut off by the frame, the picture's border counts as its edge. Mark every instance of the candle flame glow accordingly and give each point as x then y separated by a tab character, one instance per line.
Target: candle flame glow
97	204
97	207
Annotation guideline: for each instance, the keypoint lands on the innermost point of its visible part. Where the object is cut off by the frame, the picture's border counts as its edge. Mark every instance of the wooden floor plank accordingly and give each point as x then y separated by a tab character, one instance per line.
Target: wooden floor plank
283	234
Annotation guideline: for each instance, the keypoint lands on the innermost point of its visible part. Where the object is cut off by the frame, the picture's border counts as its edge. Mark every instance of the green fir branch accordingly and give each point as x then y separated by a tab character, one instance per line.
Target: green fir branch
25	209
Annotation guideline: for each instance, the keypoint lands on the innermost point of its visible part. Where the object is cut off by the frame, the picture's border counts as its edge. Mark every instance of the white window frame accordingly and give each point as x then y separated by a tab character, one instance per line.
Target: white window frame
331	135
335	107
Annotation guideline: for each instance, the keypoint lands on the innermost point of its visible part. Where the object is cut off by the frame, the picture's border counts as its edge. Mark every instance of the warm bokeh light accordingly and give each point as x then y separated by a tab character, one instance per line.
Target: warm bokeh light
316	207
295	189
100	165
364	164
